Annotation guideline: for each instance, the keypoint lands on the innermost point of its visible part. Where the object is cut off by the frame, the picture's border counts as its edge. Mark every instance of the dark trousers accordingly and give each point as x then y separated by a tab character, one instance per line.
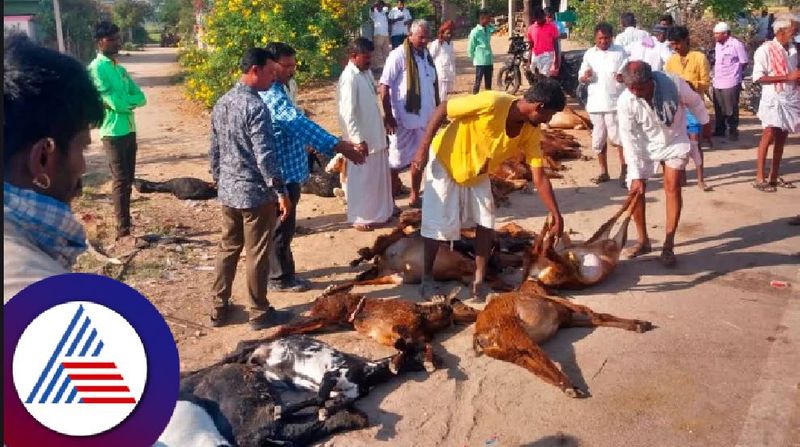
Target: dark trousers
726	109
397	41
250	229
485	72
281	260
121	154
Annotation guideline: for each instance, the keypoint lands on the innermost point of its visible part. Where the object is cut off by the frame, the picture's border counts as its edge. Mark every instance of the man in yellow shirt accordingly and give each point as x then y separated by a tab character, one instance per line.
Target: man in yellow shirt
692	67
485	130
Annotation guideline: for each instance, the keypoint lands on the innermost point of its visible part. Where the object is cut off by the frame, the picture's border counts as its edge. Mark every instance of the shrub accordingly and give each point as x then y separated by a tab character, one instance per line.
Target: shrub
590	13
317	29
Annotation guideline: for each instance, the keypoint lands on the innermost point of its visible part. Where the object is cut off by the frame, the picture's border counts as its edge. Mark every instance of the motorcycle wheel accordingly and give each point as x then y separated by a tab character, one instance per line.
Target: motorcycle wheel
509	79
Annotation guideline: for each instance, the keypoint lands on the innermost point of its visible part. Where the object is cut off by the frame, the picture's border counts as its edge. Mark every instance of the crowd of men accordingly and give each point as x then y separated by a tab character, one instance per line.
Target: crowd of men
645	98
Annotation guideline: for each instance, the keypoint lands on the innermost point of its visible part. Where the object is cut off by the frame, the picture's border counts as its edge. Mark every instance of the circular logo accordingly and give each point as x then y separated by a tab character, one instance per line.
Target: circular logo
92	363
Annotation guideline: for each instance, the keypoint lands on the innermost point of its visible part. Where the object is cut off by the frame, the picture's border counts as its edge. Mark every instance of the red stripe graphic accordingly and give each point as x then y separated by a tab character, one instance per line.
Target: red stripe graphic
95	377
102	389
89	365
108	400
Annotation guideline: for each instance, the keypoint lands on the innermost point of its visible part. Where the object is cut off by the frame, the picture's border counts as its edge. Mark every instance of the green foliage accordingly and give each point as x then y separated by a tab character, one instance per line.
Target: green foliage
317	29
130	14
590	13
727	9
421	9
78	18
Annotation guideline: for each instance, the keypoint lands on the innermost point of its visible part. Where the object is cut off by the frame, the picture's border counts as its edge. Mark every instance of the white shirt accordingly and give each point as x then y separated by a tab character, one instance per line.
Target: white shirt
630	35
359	115
656	55
603	87
444	59
777	108
399	28
380	21
761	69
394	76
645	138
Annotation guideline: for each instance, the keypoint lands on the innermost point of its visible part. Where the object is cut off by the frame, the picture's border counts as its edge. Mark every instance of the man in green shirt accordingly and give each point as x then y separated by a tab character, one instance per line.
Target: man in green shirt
479	49
118	132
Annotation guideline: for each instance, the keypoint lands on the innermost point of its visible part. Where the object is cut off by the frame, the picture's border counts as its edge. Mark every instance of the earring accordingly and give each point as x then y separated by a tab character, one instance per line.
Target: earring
44	184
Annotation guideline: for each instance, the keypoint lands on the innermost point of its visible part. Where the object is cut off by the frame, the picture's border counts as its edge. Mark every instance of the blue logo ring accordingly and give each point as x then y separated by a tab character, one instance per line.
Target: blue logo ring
154	409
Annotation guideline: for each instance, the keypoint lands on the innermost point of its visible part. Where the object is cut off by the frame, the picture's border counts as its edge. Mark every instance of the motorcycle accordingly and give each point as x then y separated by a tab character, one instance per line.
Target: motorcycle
509	78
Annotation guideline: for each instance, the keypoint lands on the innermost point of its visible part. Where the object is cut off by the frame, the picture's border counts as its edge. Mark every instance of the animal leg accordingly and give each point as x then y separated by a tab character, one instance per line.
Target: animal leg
605	230
428	357
394	279
582	316
508	341
304	325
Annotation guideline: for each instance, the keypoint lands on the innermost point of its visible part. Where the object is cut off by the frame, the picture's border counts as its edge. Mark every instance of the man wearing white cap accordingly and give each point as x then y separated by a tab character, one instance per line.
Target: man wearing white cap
730	58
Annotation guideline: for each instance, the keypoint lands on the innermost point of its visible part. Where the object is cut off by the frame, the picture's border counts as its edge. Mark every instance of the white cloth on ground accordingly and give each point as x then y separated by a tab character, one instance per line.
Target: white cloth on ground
646	140
603	88
369	190
604	128
779	109
447	207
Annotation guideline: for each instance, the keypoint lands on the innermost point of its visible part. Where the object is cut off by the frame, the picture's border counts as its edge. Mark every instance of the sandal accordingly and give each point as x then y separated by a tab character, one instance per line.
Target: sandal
782	184
602	178
667	258
640	249
764	187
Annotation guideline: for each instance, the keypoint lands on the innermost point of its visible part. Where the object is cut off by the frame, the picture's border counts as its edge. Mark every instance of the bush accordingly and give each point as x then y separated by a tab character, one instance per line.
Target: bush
317	29
590	13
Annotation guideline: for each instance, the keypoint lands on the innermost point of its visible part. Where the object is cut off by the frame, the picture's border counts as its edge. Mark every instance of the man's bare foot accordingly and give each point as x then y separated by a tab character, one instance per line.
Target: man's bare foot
703	187
667	258
429	291
639	249
480	291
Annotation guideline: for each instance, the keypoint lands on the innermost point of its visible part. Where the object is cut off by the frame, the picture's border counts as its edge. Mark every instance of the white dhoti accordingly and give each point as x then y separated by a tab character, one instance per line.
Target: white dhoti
403	145
447	207
781	110
369	190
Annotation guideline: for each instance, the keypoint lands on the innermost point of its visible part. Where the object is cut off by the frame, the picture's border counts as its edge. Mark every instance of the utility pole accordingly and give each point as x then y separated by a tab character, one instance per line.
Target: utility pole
59	31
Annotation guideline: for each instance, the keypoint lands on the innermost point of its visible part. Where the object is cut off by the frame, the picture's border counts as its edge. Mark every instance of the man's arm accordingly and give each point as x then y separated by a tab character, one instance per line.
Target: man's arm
135	94
213	151
693	101
472	43
631	152
421	156
705	75
113	99
548	198
761	70
348	108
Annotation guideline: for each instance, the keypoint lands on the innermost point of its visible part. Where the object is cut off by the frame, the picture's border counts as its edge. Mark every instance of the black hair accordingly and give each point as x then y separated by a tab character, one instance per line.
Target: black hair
550	11
45	95
254	56
627	19
677	34
548	92
667	18
537	13
604	27
105	29
280	49
360	45
484	12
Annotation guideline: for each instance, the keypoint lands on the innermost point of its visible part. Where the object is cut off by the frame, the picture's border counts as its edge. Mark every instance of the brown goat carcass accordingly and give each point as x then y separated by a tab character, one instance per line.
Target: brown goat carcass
563	264
404	325
513	325
397	257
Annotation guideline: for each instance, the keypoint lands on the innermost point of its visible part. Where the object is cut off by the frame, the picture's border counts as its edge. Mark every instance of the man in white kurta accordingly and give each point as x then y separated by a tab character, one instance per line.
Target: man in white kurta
368	187
405	125
775	68
652	126
600	71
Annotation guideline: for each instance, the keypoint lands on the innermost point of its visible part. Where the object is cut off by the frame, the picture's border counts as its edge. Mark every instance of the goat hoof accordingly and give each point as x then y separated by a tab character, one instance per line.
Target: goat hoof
429	366
393	368
643	326
574	393
322	414
328	290
276	412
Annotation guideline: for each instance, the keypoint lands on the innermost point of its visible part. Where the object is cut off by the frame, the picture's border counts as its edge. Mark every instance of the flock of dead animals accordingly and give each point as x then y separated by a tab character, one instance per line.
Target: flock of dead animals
287	389
261	393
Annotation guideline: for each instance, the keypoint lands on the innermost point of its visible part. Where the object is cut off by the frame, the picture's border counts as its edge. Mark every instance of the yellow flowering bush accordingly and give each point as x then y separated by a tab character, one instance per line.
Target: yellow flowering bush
317	29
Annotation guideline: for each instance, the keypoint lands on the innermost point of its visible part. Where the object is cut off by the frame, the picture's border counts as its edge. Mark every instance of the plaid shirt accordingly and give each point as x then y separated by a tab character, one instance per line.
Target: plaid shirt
293	132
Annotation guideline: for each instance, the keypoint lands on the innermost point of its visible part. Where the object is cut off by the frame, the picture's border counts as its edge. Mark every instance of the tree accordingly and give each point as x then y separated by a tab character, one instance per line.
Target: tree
129	14
78	18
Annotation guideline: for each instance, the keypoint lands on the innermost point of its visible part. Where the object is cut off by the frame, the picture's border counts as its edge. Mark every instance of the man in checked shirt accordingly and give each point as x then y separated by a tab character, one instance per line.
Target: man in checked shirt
293	132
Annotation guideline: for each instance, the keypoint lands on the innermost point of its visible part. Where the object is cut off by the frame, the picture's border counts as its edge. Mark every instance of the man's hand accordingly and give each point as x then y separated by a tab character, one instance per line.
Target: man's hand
390	124
587	76
637	187
350	151
794	75
362	148
285	207
558	225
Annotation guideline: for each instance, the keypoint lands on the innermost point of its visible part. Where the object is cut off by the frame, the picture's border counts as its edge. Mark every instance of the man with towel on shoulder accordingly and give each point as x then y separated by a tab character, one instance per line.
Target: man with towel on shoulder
409	93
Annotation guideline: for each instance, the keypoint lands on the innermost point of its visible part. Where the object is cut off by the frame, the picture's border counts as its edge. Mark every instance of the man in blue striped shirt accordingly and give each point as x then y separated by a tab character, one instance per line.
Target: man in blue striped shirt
293	131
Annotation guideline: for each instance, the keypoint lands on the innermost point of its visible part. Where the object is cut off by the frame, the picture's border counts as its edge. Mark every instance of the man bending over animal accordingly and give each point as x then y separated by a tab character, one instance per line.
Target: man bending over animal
485	130
652	126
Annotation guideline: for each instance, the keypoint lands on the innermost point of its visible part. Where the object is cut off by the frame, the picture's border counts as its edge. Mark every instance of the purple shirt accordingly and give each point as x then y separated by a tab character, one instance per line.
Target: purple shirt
729	59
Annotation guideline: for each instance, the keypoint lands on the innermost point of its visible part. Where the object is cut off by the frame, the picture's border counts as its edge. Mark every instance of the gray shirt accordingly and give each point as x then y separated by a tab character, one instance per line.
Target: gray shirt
243	159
